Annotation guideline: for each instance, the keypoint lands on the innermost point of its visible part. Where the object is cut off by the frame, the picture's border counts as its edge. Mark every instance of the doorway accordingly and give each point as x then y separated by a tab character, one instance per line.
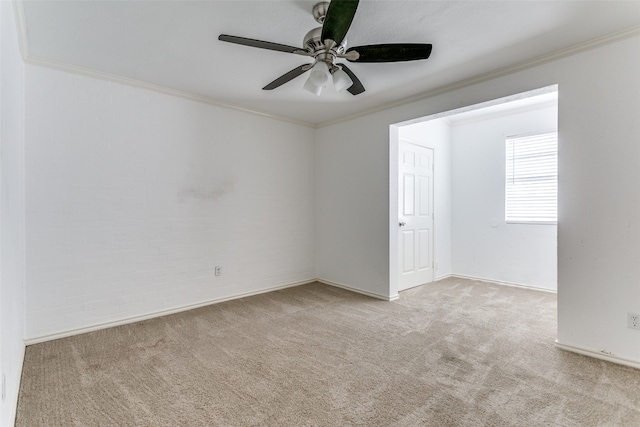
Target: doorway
471	237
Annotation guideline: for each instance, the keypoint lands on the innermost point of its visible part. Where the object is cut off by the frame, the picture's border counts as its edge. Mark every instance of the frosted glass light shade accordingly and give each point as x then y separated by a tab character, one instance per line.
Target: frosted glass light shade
310	87
320	74
341	80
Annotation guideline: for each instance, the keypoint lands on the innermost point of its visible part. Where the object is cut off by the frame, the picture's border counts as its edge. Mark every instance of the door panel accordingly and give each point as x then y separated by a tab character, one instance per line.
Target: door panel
408	244
424	184
415	211
409	158
424	254
408	195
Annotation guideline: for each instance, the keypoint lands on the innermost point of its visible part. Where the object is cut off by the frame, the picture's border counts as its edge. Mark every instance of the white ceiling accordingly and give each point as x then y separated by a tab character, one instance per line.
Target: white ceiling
174	44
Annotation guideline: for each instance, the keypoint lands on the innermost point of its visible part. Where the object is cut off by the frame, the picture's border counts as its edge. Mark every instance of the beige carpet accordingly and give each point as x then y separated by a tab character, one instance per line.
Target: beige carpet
453	353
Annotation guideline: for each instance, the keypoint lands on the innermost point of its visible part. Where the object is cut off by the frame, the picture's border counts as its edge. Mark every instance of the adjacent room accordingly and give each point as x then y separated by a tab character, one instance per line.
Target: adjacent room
186	241
492	204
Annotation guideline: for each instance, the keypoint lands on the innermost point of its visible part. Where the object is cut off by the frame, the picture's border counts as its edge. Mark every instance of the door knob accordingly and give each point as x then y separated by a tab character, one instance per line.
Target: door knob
402	223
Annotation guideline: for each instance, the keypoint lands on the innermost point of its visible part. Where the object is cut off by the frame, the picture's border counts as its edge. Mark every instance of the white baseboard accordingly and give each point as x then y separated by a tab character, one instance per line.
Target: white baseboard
603	355
499	282
96	327
359	291
99	326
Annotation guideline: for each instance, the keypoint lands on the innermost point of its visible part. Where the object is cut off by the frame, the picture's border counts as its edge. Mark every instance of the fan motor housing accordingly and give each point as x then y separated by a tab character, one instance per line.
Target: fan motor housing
313	44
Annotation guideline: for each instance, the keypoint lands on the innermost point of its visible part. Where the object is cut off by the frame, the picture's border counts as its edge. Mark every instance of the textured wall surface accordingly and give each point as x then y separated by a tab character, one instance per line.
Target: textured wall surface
133	197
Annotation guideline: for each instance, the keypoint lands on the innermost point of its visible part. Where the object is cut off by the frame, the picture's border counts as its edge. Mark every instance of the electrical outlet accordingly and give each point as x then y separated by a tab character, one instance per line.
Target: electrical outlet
633	320
218	270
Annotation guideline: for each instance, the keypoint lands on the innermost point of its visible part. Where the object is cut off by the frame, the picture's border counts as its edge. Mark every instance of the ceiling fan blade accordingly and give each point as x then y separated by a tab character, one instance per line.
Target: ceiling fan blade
258	43
287	77
395	52
338	20
356	88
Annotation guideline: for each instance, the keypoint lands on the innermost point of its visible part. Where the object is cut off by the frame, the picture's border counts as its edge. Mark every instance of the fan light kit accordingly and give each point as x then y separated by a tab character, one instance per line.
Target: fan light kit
327	44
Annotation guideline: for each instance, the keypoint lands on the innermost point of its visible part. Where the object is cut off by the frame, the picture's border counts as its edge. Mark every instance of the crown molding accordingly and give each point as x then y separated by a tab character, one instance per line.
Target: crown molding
540	60
563	53
89	72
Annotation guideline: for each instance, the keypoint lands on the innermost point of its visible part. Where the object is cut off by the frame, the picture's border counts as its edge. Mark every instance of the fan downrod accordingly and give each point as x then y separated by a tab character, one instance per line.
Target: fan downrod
312	41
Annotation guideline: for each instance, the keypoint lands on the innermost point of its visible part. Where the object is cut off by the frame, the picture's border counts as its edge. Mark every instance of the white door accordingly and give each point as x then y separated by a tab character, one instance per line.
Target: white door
416	216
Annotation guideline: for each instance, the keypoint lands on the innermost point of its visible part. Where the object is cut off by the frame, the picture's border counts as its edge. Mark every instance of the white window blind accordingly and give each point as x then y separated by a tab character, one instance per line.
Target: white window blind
532	178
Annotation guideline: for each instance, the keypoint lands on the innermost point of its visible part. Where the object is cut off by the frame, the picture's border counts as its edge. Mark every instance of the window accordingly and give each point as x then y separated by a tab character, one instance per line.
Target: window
532	178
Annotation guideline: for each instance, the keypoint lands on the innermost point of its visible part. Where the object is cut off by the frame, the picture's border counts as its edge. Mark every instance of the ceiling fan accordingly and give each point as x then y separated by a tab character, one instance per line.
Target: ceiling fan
327	44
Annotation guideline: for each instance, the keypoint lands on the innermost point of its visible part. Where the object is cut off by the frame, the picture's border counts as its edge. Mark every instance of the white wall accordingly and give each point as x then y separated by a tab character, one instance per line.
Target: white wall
132	198
484	246
599	193
436	134
11	212
598	232
352	185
